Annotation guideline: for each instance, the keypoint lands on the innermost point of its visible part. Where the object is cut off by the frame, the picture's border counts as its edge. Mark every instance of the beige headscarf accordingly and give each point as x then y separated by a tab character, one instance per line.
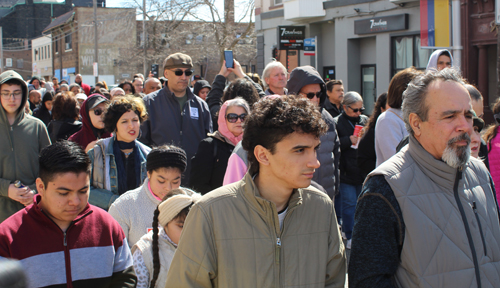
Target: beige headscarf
171	207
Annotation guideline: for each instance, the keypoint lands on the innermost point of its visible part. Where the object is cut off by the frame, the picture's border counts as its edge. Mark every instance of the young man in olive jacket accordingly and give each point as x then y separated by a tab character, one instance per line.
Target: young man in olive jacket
22	137
270	229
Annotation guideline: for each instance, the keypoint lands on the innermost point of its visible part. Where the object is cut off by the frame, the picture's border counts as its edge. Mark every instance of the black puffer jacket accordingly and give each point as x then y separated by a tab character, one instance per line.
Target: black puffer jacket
349	170
327	175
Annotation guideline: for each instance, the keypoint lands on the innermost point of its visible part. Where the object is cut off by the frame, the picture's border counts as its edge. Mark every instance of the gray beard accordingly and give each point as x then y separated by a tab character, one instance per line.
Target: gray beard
457	156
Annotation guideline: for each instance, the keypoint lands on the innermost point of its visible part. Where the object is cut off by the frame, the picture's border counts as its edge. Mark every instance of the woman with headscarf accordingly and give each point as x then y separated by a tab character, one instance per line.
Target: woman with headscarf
92	116
210	162
44	112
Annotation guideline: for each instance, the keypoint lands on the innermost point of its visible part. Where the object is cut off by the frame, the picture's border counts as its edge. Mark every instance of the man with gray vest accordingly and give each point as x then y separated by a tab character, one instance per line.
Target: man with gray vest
428	216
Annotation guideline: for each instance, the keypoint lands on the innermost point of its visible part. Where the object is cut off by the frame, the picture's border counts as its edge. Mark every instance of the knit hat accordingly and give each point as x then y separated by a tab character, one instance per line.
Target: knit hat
163	158
178	60
171	207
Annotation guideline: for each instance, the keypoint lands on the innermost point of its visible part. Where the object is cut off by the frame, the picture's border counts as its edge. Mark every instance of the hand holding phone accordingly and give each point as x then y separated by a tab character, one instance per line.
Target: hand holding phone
228	56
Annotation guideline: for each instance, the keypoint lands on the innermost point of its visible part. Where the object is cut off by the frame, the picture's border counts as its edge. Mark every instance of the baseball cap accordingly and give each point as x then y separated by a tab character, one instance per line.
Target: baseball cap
94	100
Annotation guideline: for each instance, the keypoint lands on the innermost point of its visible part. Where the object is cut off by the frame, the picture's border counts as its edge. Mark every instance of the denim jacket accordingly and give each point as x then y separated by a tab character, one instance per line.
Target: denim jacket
103	175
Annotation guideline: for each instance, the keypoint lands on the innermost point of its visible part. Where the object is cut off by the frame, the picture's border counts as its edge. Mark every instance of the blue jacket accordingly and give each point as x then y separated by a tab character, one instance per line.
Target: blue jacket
103	176
166	123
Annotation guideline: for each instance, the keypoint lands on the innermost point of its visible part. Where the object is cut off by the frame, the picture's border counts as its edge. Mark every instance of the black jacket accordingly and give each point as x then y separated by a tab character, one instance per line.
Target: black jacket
208	166
43	114
349	170
332	108
62	129
367	157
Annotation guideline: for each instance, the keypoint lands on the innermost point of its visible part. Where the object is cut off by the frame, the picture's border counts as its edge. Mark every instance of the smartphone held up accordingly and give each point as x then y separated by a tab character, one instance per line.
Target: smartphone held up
228	56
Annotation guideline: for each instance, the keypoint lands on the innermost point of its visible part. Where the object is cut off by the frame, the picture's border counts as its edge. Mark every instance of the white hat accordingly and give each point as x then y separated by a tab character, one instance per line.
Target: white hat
81	96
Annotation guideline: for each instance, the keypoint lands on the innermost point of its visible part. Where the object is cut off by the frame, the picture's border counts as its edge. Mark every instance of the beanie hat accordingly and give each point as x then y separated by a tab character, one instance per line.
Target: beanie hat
171	207
163	158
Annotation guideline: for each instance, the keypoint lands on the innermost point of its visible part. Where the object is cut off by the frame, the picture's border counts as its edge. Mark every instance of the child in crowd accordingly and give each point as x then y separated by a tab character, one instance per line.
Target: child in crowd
134	209
153	253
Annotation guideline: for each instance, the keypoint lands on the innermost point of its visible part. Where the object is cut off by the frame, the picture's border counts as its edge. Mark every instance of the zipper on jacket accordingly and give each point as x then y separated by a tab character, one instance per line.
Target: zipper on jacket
466	225
278	250
479	225
65	242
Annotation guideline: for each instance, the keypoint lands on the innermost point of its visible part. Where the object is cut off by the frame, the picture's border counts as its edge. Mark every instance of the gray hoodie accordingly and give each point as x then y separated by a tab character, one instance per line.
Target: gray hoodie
327	175
20	145
434	58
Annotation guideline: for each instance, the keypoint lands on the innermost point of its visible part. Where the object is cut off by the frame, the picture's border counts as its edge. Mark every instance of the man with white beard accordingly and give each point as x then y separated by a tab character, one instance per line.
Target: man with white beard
428	216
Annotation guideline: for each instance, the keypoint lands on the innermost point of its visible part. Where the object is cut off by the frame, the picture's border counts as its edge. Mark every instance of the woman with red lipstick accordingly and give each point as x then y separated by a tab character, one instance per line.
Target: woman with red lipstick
210	162
119	162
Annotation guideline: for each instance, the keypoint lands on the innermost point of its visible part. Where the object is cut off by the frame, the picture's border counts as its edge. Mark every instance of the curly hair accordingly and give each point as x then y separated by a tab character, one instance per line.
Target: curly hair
64	106
156	251
273	118
120	106
492	130
241	88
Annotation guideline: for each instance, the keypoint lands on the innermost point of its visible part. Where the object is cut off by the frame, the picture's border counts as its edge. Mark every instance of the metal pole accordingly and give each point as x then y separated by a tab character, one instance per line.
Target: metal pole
145	68
456	36
96	55
1	49
316	52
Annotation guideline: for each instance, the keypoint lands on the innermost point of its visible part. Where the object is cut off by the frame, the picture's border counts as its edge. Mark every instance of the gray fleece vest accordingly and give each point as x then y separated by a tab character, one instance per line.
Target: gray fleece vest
452	227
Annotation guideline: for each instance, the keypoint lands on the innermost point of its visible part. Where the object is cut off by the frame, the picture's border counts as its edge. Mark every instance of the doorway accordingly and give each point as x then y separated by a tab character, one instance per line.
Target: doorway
368	87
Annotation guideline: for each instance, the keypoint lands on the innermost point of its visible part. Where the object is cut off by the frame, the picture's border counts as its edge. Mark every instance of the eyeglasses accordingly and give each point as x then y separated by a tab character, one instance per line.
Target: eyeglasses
17	95
357	109
311	95
233	117
98	112
185	72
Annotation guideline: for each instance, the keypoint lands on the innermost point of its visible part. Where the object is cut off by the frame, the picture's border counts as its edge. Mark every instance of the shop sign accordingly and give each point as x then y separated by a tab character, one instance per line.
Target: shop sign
310	47
381	24
291	37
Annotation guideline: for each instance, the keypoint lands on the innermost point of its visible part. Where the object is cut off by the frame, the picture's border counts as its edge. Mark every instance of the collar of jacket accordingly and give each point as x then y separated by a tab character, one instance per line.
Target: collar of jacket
438	171
37	210
252	195
171	95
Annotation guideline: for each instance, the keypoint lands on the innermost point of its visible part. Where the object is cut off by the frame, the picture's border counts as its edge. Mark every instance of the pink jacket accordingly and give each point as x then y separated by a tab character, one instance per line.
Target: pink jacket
494	159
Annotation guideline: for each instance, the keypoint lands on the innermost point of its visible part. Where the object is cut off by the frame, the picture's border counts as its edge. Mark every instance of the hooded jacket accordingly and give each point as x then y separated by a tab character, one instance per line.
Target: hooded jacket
20	145
232	238
41	112
210	162
167	124
432	64
62	129
200	84
88	133
327	175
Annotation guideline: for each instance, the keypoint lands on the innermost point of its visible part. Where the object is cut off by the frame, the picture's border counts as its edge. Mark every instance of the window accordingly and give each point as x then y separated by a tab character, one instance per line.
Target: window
20	63
199	39
278	2
56	48
45	52
67	40
406	52
50	51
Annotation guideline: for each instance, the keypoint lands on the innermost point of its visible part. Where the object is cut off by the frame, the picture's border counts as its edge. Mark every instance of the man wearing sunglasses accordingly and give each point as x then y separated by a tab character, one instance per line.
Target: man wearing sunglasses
22	137
305	82
176	115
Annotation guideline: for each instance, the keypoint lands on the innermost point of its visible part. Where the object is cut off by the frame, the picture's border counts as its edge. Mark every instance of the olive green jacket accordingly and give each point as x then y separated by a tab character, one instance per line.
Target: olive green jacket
232	238
20	144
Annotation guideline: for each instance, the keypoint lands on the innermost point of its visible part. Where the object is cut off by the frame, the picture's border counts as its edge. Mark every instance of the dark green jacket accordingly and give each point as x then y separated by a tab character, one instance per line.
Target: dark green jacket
20	145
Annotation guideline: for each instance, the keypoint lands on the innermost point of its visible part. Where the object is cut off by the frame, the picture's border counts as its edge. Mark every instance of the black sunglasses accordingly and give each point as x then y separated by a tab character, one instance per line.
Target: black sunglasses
233	117
98	112
311	95
357	109
185	72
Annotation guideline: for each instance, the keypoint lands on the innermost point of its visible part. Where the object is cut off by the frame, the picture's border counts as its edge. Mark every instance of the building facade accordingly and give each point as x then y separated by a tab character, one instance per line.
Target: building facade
362	42
41	55
73	42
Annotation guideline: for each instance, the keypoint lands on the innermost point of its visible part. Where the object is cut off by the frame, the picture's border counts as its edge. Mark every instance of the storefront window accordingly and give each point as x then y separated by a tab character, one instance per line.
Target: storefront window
406	52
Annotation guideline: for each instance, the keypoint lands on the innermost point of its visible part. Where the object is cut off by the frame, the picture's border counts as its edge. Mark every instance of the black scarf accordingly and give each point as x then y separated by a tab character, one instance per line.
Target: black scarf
353	120
121	165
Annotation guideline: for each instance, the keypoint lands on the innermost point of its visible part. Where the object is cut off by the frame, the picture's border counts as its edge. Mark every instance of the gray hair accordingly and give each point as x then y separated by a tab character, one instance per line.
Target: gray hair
416	93
269	67
74	85
240	102
65	85
351	98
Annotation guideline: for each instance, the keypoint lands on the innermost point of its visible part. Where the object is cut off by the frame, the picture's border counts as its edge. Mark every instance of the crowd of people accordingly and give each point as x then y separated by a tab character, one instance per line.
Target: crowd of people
274	179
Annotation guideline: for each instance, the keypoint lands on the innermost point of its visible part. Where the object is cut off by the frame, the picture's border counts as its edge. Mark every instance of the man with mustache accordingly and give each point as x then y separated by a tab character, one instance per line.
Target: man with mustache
175	115
428	216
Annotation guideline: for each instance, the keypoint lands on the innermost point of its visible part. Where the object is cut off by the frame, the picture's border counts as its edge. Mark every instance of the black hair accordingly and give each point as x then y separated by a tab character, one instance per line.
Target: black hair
377	111
120	106
329	85
129	83
475	95
156	231
62	157
274	118
241	88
